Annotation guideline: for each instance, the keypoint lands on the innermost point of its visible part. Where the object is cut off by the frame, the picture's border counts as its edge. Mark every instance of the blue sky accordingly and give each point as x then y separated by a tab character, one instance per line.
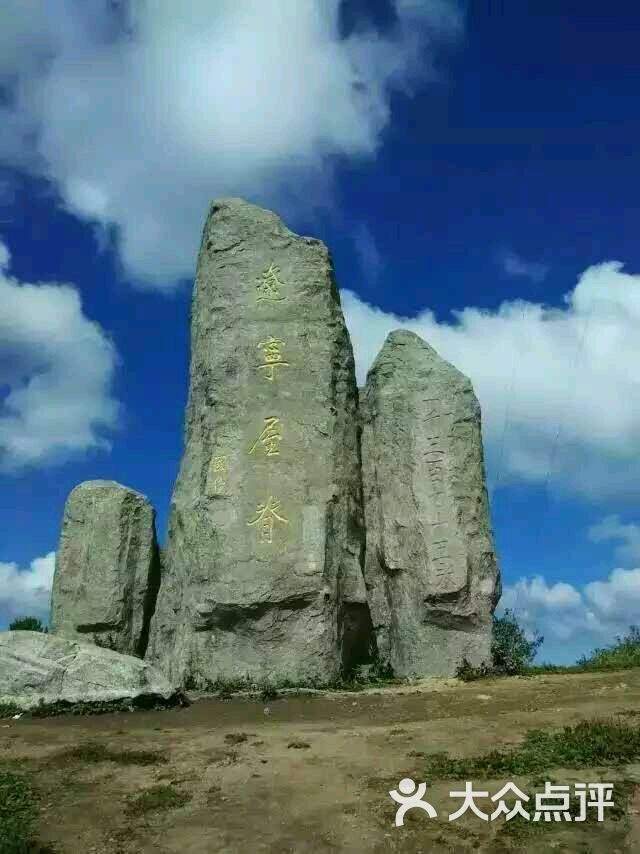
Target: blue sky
474	170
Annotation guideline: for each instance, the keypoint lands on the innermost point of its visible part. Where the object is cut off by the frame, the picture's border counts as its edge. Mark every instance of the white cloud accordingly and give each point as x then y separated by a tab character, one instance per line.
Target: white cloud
559	388
611	528
26	592
56	368
140	126
585	618
513	265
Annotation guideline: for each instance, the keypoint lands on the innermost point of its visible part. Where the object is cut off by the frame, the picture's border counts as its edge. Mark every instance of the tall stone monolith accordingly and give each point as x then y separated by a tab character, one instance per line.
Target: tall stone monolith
430	570
263	565
107	567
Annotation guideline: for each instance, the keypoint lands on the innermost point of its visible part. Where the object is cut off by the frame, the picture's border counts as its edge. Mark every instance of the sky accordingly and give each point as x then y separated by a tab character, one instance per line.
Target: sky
473	168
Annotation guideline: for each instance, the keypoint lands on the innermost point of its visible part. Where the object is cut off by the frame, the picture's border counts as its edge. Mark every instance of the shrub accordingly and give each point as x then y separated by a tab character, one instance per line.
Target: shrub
27	624
624	653
468	673
8	710
511	651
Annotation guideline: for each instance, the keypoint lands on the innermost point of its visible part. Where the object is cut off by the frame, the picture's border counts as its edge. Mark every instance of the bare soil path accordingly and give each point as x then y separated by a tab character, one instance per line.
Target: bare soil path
313	774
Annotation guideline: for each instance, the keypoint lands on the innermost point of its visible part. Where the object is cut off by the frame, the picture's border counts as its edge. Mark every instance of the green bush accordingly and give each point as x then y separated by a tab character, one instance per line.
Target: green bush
468	673
512	654
27	624
511	651
624	653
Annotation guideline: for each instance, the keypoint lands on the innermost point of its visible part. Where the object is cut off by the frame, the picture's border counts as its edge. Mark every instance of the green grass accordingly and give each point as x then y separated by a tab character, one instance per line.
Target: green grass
236	737
365	677
601	661
520	832
102	707
587	744
156	799
621	655
93	752
49	710
8	710
512	655
18	813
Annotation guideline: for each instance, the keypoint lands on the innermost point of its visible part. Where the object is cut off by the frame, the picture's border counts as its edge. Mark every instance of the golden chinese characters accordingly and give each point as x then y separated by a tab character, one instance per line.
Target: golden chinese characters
268	515
272	350
218	473
269	285
270	437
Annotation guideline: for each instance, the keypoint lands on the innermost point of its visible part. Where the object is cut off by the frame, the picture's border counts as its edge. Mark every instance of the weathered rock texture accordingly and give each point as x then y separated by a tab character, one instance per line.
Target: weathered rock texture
431	572
39	668
263	565
107	568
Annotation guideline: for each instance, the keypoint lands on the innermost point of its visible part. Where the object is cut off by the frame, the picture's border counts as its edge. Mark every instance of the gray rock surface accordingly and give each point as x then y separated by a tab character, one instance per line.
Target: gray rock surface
264	553
430	570
107	567
36	667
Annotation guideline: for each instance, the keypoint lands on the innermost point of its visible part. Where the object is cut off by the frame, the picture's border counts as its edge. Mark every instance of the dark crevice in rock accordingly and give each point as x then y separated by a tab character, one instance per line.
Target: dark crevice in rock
149	608
358	640
227	615
89	628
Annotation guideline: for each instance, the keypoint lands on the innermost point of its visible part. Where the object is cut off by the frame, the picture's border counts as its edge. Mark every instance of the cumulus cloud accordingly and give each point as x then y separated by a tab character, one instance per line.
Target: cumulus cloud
26	592
591	616
513	265
56	368
559	387
140	112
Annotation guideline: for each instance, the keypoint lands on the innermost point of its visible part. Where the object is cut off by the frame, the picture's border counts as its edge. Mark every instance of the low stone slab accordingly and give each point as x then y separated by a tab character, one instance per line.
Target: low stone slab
40	668
107	568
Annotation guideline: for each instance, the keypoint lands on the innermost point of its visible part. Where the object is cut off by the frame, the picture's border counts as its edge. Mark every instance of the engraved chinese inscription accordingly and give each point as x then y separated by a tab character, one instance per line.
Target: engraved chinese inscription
269	285
218	477
270	437
272	354
268	516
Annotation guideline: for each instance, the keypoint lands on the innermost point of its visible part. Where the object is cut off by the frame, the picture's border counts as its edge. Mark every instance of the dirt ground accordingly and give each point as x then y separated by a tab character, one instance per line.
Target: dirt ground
313	774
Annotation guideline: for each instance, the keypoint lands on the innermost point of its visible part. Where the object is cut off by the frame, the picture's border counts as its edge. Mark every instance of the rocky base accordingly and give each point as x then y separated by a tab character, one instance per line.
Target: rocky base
39	670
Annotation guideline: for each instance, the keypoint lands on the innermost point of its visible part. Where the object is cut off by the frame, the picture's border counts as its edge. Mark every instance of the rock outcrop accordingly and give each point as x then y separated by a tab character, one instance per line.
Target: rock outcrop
264	553
107	568
42	668
430	570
